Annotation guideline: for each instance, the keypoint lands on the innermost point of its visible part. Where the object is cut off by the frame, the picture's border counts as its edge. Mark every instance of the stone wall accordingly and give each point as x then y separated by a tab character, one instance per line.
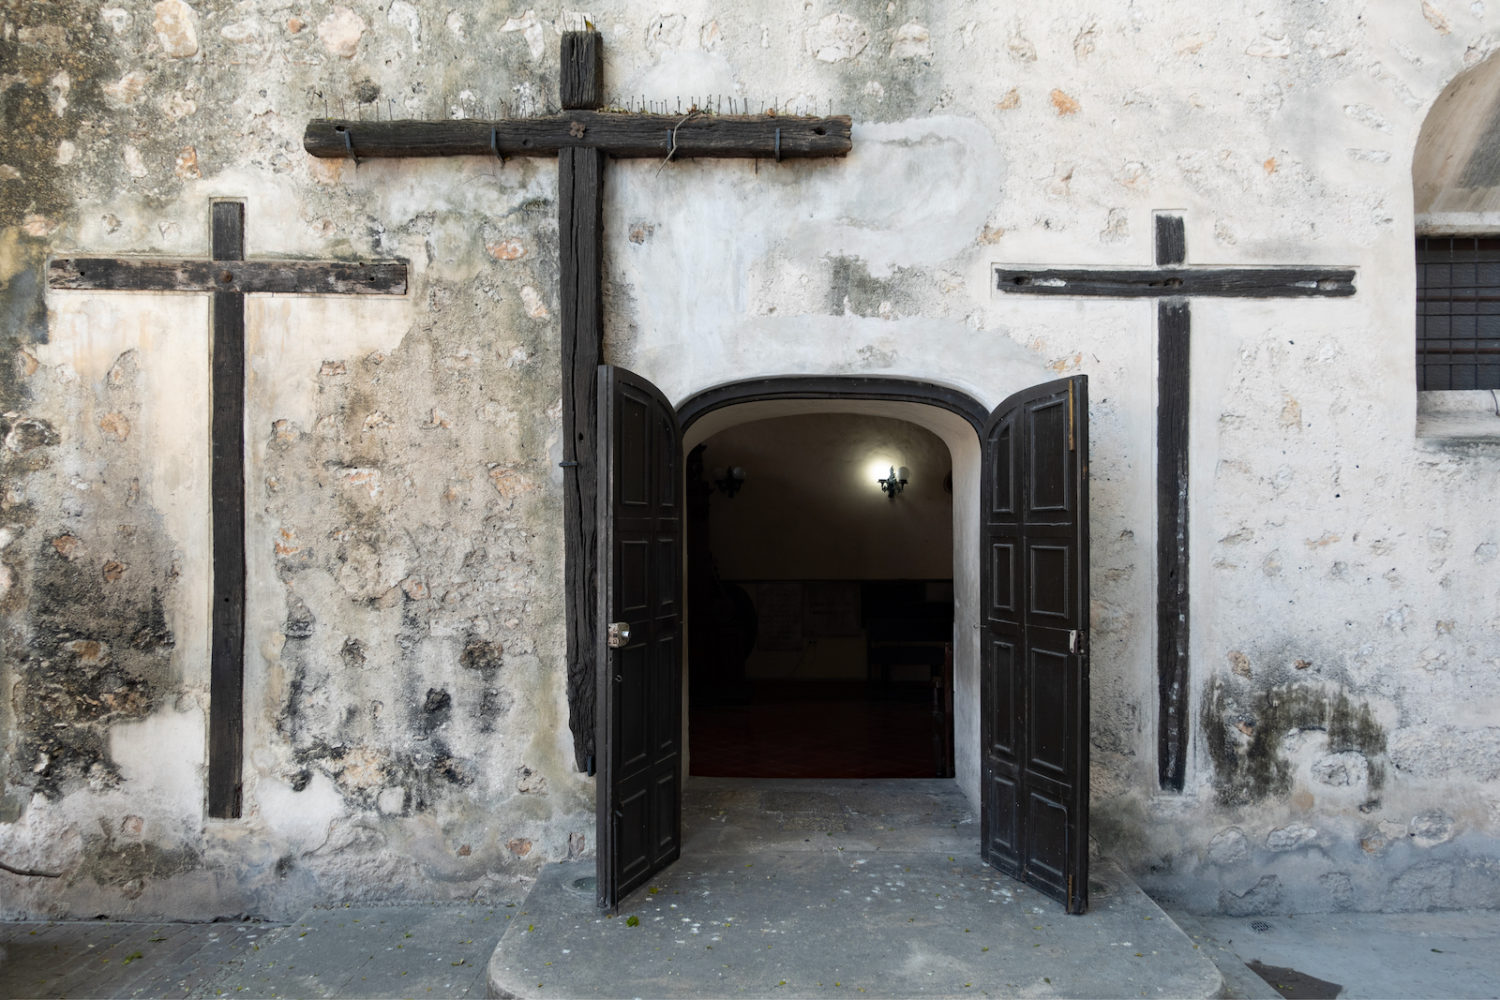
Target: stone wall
406	719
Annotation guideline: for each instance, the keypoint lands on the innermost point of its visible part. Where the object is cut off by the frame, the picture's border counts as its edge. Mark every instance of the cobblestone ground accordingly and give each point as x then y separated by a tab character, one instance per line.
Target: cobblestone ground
370	951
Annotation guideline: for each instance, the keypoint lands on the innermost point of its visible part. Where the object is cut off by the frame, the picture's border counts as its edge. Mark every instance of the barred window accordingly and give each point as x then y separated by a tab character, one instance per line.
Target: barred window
1458	312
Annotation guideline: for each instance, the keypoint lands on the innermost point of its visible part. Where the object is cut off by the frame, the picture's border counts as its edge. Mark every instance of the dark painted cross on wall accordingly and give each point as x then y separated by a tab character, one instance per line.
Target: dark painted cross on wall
581	137
1174	284
228	277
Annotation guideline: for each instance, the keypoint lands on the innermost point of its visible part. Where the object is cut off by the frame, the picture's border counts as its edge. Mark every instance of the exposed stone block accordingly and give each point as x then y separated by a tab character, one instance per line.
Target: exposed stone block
340	32
176	27
1229	847
836	38
1430	828
1342	769
1262	897
1292	837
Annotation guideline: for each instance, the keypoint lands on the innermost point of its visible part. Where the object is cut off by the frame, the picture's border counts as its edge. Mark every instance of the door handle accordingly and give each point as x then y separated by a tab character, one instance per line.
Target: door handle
619	634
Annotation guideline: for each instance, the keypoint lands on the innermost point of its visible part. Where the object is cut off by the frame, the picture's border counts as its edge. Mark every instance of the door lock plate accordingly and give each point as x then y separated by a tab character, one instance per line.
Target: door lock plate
619	635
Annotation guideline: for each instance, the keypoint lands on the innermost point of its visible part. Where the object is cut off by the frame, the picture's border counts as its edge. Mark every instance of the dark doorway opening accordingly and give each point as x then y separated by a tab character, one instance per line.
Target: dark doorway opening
1020	520
821	606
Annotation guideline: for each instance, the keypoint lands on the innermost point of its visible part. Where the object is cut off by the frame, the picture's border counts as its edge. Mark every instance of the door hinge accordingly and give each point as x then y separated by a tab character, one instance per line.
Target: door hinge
1078	641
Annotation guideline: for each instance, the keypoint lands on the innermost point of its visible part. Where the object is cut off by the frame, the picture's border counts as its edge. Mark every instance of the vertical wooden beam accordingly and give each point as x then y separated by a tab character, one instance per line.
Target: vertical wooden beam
1171	240
580	217
581	78
226	694
1173	356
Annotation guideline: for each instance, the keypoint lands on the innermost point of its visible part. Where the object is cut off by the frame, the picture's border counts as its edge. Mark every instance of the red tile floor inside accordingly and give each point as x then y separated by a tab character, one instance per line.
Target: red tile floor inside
816	730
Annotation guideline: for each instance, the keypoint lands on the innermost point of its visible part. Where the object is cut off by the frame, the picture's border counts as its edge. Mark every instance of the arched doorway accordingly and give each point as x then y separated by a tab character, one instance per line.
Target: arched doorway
887	606
1020	601
820	599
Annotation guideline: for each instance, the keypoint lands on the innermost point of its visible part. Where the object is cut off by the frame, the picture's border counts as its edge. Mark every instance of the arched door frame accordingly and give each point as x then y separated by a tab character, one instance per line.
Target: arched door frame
903	399
1020	568
790	387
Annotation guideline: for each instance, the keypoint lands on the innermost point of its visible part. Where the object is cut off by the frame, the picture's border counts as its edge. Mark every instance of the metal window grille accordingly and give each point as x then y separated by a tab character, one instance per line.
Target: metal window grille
1458	312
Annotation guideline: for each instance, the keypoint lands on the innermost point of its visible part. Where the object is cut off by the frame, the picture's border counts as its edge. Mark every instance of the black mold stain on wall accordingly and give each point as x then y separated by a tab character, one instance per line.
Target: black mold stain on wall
88	642
380	507
132	865
330	730
98	652
1244	728
54	64
851	288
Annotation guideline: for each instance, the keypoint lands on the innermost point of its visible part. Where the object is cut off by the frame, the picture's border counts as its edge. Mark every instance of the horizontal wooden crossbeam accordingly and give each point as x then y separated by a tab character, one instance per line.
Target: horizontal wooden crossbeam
1224	282
617	133
306	277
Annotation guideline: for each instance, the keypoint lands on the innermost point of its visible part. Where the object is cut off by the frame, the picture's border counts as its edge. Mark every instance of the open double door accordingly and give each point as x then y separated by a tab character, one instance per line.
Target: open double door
1034	671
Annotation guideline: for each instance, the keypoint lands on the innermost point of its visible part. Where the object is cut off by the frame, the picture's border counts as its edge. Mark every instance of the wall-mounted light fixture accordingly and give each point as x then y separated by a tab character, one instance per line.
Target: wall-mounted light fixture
729	480
895	482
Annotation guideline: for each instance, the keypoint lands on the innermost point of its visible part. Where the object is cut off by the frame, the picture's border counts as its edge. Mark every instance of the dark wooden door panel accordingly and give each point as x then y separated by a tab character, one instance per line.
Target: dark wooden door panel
1002	824
631	828
1047	832
668	560
668	489
630	746
1002	473
666	694
1005	578
1034	675
667	804
1050	584
633	465
640	681
1049	728
1049	491
1000	701
634	592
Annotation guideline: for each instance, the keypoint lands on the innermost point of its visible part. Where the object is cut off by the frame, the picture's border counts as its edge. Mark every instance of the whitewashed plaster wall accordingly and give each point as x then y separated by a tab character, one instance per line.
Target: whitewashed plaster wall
404	492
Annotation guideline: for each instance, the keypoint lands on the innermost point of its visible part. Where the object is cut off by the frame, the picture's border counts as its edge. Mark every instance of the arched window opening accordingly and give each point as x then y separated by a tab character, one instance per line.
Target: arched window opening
1456	190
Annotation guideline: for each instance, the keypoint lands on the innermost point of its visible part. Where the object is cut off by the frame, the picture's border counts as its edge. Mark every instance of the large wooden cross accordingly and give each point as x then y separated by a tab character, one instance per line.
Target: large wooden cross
1173	285
229	277
581	137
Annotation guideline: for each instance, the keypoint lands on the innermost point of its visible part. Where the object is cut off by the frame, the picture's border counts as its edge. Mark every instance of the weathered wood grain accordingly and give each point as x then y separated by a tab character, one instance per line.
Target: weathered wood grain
581	77
226	683
1171	240
1173	409
1229	282
617	133
580	226
306	277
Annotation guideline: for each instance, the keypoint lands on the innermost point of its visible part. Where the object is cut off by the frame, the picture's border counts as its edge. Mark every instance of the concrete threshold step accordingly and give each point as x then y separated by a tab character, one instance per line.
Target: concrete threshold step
842	923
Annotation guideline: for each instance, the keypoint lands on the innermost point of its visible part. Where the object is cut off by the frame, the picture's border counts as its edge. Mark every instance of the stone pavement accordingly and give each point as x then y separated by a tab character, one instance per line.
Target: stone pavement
108	958
862	889
893	925
357	951
1453	953
851	888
